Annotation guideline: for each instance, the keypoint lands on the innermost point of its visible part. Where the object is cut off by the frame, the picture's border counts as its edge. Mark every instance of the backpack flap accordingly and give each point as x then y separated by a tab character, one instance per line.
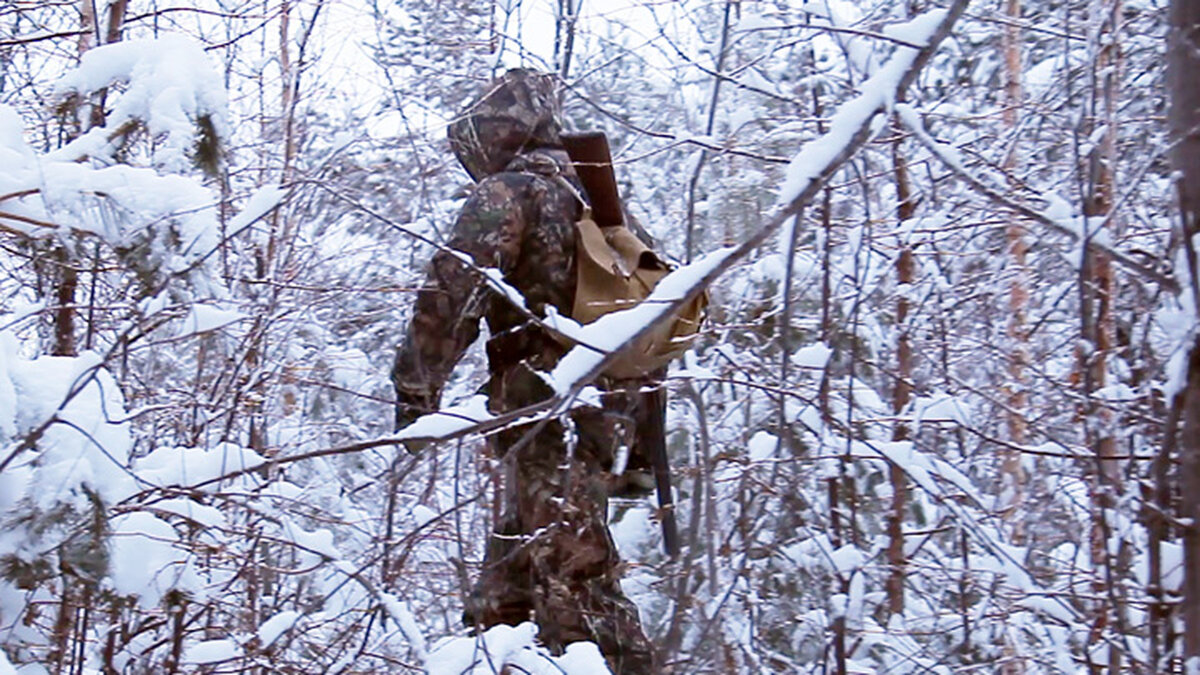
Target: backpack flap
616	270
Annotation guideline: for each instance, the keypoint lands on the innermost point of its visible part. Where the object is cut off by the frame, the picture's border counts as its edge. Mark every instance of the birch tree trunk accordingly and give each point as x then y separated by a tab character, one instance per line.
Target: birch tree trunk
902	393
1097	293
1017	399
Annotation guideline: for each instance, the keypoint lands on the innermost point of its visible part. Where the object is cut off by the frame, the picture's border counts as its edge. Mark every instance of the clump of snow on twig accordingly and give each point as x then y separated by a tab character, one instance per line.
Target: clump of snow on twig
514	646
172	85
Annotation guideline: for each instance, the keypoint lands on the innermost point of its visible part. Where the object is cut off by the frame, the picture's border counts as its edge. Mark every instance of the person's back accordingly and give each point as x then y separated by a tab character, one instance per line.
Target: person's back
552	558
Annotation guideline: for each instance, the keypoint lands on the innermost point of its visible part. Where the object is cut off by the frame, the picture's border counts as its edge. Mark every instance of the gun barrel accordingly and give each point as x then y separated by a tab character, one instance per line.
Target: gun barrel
593	163
653	434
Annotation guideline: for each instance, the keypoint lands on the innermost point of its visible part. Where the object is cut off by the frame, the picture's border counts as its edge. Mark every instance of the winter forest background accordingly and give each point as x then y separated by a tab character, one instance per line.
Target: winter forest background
936	422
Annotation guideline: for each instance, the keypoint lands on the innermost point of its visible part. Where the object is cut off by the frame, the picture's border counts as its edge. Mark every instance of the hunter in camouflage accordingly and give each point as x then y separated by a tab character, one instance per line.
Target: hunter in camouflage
551	558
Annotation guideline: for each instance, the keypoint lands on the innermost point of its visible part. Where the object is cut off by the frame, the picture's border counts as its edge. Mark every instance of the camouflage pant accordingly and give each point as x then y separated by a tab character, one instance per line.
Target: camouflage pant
552	558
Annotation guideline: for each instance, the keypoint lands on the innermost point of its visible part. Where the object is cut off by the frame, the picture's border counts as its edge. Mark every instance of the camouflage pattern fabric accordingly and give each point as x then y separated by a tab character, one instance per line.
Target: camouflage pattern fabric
518	111
551	558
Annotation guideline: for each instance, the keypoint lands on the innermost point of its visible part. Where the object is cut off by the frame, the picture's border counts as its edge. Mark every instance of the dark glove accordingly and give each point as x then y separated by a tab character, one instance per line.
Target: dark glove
406	414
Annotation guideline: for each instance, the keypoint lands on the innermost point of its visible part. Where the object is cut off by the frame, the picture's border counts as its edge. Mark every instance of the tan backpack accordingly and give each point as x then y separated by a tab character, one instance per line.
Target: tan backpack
616	270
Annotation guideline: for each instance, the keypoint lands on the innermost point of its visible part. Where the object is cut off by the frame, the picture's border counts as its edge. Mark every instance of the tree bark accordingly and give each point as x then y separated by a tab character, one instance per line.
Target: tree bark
64	312
1013	476
902	393
1097	292
1190	504
116	20
1012	473
1183	62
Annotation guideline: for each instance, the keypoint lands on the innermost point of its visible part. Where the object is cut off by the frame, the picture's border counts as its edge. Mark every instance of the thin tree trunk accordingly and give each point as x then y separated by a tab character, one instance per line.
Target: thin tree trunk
564	34
285	77
690	236
1190	502
834	483
1099	324
64	312
902	394
1158	531
65	341
683	587
60	649
1012	474
1183	62
66	272
116	20
1098	328
87	26
1016	397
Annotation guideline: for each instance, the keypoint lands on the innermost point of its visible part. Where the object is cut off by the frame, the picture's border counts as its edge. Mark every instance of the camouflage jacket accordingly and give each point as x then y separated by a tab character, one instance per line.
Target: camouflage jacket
520	221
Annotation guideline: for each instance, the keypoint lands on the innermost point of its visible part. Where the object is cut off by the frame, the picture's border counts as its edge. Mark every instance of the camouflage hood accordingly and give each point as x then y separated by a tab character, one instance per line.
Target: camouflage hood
518	111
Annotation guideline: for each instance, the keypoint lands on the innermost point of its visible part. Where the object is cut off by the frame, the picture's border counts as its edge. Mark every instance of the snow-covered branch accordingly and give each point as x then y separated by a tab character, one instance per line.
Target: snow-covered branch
850	129
948	156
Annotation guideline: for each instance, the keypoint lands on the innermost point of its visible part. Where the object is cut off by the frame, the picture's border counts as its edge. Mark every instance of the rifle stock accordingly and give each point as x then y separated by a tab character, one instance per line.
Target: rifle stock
589	153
